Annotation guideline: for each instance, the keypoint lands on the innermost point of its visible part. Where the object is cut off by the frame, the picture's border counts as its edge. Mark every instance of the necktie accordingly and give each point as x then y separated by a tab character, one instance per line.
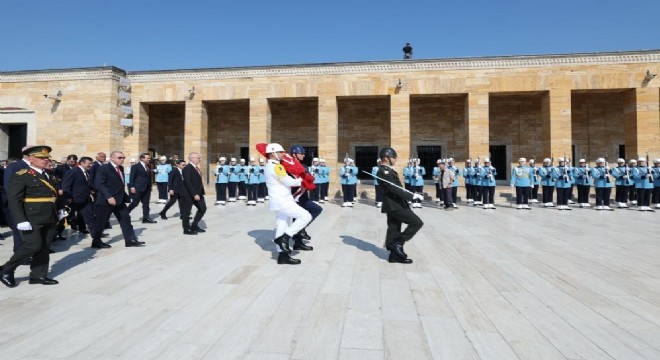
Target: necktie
198	171
442	175
119	173
86	176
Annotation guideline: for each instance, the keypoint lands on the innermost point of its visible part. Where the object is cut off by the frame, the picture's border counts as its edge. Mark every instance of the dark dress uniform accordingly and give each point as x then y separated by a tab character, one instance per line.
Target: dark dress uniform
32	197
395	205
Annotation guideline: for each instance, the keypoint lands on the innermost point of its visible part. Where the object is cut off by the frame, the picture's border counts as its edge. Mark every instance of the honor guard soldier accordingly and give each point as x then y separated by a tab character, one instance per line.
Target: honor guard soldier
547	182
324	171
536	181
603	184
348	176
31	197
162	171
395	205
315	195
407	174
417	182
175	185
521	178
374	172
643	184
468	172
221	180
632	190
622	181
476	183
656	183
487	176
436	180
242	180
261	189
234	172
252	182
454	185
583	182
563	177
282	202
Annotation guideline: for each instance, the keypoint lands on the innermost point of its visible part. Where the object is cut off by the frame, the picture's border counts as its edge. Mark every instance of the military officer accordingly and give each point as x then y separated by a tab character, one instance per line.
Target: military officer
468	173
476	183
656	183
31	198
417	181
261	188
315	195
348	176
242	180
221	179
603	184
563	177
454	185
622	181
643	184
162	170
374	172
547	182
252	182
521	178
536	181
325	178
632	190
395	205
407	174
234	179
583	182
487	175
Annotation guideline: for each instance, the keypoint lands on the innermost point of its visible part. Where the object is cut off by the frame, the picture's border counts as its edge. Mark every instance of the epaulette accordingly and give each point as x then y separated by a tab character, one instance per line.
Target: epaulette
21	172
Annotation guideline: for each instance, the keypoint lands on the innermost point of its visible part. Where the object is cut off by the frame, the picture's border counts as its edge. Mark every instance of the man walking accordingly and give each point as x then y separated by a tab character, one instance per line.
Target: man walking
192	193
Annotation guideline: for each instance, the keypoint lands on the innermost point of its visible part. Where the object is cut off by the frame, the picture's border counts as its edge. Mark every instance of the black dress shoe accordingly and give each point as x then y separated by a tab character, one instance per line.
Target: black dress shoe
394	258
198	229
397	248
283	243
148	221
43	281
163	216
7	279
284	258
133	243
189	232
304	235
299	245
100	245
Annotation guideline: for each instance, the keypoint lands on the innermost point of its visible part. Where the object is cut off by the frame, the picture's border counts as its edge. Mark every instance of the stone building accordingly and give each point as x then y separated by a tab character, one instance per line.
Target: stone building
575	105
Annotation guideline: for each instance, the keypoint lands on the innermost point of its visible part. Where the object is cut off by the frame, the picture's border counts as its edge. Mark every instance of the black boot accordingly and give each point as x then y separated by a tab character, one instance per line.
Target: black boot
304	234
284	258
397	248
394	258
283	243
298	244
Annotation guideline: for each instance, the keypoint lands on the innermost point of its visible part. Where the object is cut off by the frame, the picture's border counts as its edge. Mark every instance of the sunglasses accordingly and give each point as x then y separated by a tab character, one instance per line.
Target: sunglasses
121	157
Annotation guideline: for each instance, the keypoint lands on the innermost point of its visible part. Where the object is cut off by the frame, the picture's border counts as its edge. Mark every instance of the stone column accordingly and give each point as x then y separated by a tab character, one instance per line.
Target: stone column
137	138
328	127
642	123
477	125
260	123
196	132
400	127
556	128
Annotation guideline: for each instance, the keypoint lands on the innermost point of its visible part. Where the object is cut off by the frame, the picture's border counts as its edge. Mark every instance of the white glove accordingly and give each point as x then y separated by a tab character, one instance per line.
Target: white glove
418	197
24	226
61	214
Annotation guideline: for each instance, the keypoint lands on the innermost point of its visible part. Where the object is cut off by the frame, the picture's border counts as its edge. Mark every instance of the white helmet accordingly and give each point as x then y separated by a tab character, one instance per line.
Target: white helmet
261	160
522	159
600	161
233	159
583	161
486	160
133	160
242	161
163	157
251	159
620	160
656	161
468	161
274	147
315	159
641	159
633	161
438	161
321	160
546	160
222	158
378	160
561	159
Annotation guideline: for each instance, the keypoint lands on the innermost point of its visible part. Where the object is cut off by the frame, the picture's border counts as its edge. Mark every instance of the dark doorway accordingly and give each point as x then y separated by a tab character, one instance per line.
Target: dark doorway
498	160
245	154
365	160
573	155
17	140
310	153
428	155
622	151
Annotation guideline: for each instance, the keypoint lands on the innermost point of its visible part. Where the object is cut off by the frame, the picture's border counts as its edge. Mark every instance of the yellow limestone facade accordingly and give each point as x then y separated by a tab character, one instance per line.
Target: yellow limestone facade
578	105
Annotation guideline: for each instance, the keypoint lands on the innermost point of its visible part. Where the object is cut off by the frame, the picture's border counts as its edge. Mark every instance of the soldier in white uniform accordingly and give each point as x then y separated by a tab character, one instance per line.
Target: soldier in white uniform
286	208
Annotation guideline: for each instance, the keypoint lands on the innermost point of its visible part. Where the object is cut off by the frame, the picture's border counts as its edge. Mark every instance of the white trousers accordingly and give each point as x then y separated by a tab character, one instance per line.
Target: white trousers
284	220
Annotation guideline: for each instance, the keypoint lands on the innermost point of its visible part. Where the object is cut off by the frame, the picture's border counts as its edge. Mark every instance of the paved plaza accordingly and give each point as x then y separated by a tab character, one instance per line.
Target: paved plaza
503	284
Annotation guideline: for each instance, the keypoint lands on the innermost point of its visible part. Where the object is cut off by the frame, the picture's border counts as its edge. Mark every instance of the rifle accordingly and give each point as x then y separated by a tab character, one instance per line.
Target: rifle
607	170
346	170
416	160
566	176
649	175
587	170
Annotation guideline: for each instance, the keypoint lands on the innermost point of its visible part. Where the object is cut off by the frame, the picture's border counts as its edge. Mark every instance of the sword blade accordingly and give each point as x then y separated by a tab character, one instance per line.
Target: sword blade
389	182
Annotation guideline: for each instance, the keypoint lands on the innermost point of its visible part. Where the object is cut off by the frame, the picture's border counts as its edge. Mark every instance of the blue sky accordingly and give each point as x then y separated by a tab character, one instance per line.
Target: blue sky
163	34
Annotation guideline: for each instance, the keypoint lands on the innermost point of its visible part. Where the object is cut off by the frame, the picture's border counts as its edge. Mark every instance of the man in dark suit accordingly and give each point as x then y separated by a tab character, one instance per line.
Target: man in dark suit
100	161
140	186
11	169
192	193
395	205
175	185
62	169
77	188
32	197
111	197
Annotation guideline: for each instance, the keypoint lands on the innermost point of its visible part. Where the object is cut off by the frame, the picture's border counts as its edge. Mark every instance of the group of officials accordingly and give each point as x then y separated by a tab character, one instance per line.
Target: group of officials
86	192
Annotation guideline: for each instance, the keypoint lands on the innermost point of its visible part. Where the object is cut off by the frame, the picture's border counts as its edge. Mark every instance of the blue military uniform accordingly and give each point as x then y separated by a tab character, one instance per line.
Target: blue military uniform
623	181
417	174
656	183
547	182
487	180
252	182
374	172
242	180
348	174
563	177
262	189
162	171
603	185
234	179
468	173
521	178
221	180
584	182
643	177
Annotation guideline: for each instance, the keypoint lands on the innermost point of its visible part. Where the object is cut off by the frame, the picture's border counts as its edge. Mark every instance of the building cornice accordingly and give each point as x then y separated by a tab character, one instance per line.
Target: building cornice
396	66
96	73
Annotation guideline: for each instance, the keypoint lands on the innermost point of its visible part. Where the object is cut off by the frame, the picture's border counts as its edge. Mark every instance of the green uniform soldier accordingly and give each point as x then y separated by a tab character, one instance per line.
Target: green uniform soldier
395	205
31	197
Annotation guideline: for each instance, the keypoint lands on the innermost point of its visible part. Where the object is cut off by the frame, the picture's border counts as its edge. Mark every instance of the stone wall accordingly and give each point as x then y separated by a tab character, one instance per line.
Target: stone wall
165	128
